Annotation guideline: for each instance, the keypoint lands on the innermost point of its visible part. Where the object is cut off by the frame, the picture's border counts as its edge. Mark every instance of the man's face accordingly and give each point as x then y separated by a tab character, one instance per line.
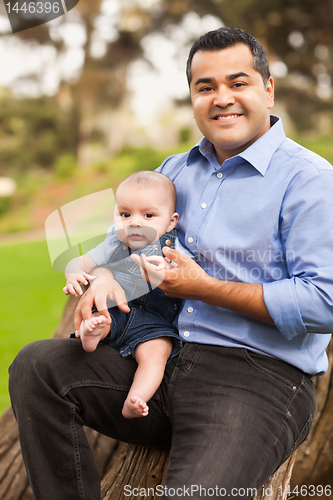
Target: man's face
230	102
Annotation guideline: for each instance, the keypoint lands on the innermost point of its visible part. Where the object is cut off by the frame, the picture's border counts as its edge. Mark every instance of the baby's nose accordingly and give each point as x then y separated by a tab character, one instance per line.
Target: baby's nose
136	221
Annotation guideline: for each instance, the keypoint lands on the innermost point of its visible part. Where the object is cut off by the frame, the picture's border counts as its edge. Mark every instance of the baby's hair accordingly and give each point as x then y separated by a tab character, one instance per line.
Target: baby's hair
149	179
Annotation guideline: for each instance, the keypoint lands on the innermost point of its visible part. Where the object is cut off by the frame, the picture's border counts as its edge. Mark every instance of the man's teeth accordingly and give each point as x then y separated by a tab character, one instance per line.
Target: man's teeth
223	117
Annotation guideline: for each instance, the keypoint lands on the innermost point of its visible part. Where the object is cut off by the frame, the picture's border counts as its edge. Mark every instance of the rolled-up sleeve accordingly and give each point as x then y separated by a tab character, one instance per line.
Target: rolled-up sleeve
303	303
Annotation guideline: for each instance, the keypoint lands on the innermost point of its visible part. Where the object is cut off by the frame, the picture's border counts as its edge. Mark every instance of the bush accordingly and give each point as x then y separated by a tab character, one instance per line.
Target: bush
65	166
5	204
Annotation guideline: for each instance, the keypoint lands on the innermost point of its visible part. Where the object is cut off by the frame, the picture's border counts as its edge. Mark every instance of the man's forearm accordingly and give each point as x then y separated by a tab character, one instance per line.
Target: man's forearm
243	298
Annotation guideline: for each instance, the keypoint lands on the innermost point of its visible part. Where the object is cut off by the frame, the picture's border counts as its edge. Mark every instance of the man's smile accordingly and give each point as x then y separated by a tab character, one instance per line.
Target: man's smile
226	117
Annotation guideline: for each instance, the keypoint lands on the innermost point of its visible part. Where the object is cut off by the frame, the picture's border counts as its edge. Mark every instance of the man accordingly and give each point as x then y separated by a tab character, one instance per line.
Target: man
256	210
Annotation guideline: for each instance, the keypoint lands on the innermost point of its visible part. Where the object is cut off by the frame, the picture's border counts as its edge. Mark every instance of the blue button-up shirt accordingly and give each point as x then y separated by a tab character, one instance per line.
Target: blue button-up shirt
265	216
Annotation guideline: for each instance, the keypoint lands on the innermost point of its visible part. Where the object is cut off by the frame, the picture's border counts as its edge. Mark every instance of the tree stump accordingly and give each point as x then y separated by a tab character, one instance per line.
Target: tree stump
137	467
141	467
314	462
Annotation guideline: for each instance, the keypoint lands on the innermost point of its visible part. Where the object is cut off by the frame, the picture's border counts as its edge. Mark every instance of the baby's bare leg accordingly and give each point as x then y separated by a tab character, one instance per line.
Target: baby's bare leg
151	357
92	331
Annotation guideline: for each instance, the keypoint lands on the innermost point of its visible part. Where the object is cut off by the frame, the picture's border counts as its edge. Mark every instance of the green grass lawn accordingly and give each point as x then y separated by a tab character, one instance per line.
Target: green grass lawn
31	300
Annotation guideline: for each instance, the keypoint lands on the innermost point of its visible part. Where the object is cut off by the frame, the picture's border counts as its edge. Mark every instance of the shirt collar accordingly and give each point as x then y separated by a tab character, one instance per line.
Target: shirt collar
259	154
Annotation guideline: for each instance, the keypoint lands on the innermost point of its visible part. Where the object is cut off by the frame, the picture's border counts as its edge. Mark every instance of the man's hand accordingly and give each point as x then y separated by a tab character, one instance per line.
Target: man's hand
186	280
102	288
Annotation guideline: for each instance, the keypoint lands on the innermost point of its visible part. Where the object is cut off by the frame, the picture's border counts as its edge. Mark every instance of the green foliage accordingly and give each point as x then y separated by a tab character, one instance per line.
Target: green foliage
132	159
65	166
322	145
184	135
33	132
5	203
31	299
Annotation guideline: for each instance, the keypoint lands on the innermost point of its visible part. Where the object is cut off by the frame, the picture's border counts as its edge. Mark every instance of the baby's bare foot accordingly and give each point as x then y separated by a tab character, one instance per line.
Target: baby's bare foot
92	331
135	407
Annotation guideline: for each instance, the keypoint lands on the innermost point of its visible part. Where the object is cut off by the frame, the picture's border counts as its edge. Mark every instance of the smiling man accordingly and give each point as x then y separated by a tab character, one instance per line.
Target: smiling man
256	210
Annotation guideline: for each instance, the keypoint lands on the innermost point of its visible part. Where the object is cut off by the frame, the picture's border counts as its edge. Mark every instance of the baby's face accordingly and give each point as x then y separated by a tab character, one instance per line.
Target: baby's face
142	215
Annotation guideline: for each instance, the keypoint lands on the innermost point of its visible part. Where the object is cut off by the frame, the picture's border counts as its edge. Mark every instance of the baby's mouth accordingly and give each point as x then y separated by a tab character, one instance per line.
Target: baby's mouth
135	236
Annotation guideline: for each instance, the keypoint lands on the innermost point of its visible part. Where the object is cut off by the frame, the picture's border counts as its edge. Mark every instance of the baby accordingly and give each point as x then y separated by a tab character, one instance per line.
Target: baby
145	219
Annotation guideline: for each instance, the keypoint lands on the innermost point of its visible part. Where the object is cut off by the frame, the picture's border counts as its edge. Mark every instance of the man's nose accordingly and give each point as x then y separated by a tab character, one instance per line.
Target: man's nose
224	97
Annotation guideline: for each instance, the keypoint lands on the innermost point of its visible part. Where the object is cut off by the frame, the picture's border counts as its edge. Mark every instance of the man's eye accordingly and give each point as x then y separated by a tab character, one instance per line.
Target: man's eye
206	89
239	84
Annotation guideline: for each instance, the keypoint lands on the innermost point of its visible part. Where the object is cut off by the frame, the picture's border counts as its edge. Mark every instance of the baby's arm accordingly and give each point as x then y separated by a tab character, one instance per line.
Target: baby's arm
76	272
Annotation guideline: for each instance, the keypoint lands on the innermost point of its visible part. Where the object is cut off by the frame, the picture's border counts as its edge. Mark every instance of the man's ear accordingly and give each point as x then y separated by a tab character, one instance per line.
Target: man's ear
173	221
270	92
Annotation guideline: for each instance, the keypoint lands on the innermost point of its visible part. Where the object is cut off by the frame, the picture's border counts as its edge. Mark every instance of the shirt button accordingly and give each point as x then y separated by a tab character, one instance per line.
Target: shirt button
186	334
203	205
219	175
190	309
190	239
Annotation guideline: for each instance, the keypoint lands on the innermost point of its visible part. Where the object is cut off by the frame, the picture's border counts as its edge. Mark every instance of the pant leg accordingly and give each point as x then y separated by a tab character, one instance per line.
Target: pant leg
56	388
236	417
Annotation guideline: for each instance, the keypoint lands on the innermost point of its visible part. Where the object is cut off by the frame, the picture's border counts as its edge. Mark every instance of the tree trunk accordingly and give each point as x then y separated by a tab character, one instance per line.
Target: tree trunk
136	467
141	467
139	470
314	462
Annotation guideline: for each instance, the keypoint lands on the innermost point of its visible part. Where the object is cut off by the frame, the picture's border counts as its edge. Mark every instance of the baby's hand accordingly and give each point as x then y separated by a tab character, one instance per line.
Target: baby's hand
161	262
73	281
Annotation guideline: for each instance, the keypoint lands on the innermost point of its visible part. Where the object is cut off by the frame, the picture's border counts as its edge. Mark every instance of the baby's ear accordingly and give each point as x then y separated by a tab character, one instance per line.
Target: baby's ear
173	221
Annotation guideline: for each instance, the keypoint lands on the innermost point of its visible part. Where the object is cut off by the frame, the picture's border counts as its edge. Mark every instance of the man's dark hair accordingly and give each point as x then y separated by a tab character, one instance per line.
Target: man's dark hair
225	37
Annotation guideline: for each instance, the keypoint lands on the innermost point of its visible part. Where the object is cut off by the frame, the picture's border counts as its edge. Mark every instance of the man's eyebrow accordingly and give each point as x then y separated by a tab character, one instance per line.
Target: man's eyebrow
203	80
234	76
231	77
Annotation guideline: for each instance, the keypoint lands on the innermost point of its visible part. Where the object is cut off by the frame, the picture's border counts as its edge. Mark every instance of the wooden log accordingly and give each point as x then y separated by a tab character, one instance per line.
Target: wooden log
142	470
136	467
314	462
276	488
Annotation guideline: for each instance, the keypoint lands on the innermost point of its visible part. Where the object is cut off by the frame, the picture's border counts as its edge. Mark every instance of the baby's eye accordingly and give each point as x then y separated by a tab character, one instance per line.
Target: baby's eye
125	215
149	216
